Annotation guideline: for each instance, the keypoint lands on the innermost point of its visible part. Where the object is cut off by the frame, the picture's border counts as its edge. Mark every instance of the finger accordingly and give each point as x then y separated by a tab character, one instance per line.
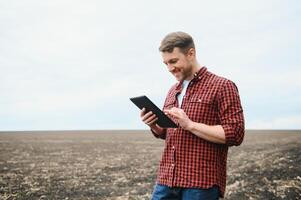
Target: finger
170	112
167	111
176	110
173	110
147	115
174	114
142	113
149	119
153	121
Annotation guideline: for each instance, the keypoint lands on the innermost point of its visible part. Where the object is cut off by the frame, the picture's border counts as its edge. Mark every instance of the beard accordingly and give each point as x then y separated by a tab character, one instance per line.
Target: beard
187	72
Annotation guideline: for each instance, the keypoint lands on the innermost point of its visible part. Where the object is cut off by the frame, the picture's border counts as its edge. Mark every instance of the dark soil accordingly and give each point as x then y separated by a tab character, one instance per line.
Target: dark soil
123	165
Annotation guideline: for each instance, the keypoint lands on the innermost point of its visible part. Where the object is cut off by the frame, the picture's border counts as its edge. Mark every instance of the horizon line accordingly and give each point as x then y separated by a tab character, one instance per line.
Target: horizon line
93	130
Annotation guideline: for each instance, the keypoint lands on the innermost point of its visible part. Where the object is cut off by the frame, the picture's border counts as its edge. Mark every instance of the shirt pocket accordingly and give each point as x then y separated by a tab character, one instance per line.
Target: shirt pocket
201	99
201	108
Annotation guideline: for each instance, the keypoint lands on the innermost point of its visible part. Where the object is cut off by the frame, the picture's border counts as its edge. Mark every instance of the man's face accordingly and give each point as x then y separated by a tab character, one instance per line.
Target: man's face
179	64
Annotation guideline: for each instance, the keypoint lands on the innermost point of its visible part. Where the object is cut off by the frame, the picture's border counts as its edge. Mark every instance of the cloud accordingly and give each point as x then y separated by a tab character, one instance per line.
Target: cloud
79	62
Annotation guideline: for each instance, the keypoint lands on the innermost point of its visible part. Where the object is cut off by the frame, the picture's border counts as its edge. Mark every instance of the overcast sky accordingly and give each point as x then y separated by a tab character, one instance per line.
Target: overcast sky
67	64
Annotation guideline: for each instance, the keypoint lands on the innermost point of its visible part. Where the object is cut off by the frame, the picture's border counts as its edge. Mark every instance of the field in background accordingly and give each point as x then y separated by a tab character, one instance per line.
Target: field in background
123	165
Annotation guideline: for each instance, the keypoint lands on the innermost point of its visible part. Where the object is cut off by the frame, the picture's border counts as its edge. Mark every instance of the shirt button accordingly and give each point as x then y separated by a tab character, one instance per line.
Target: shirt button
175	129
173	147
172	165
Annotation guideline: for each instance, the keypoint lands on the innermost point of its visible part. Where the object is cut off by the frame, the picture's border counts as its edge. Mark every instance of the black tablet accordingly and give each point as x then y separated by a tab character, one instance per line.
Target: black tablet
163	120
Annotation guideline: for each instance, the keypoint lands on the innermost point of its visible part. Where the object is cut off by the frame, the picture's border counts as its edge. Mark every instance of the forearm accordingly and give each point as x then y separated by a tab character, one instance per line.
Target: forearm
213	134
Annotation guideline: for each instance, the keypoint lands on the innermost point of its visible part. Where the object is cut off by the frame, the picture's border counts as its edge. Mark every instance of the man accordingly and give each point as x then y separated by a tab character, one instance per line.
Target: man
208	111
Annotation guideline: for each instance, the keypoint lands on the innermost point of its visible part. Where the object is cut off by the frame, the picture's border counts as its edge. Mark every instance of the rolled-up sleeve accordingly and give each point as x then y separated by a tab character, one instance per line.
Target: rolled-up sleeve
231	113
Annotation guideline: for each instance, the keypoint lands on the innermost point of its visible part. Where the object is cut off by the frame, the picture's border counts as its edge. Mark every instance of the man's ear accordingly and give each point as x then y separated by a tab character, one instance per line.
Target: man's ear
191	53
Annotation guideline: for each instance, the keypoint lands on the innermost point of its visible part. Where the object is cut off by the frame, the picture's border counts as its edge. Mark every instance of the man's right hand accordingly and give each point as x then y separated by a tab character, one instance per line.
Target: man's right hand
148	118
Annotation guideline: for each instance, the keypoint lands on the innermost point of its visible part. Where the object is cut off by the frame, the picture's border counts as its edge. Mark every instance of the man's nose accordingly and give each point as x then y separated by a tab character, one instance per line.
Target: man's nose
170	68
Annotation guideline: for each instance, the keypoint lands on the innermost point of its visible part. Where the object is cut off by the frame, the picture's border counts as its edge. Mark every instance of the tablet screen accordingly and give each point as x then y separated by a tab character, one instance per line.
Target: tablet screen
163	120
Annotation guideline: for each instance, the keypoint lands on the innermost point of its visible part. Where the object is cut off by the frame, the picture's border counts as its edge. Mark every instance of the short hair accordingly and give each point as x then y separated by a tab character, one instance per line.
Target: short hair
177	39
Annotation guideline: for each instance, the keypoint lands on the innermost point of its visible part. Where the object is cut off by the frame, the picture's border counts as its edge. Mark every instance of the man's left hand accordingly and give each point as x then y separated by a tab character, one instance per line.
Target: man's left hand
180	116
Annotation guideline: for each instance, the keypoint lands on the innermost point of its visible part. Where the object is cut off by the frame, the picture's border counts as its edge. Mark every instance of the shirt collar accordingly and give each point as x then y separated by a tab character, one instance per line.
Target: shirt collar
197	76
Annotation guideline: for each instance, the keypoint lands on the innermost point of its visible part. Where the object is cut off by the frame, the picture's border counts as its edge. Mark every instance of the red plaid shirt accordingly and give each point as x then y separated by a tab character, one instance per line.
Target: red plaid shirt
189	161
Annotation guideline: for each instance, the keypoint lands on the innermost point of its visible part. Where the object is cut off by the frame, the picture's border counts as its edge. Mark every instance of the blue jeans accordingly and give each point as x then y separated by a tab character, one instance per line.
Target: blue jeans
162	192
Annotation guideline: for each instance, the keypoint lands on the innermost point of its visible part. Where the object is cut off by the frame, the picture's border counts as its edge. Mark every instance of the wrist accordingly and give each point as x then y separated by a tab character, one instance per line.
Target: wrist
153	126
190	126
156	128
